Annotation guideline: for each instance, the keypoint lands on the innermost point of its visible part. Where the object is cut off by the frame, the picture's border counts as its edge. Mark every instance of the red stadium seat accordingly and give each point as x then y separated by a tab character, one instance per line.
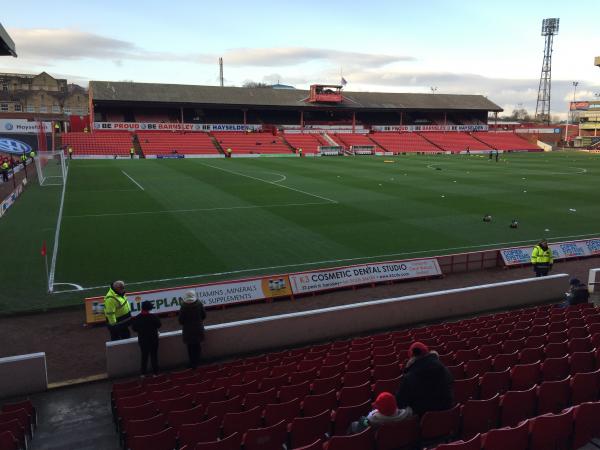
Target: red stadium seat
163	440
192	433
473	444
232	442
315	404
517	406
516	438
585	387
553	396
437	425
306	430
492	383
275	413
586	423
360	441
343	416
479	416
267	438
551	431
242	421
404	434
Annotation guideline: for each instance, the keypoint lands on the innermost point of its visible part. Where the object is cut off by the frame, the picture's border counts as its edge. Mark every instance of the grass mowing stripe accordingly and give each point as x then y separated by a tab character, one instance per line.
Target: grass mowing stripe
345	260
271	182
177	211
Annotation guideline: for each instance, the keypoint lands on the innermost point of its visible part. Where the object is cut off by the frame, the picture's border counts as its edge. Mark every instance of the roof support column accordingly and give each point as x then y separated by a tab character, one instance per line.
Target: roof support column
181	113
495	121
245	111
353	121
401	118
302	120
445	119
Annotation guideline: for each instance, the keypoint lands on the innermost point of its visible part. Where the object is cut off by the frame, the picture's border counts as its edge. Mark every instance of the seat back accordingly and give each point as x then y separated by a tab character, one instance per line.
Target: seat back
551	431
359	441
586	423
516	438
479	416
267	438
395	435
163	440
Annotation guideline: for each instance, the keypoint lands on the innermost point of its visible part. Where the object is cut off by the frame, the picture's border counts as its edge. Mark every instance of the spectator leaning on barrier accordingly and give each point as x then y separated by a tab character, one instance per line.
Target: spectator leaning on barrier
426	384
191	317
117	311
146	325
542	259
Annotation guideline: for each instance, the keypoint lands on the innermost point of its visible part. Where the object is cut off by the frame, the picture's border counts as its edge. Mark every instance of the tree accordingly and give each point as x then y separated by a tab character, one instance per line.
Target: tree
255	84
520	114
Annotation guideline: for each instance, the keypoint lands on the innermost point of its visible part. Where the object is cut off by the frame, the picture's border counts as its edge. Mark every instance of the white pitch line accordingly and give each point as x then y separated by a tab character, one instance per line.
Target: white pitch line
360	258
176	211
57	235
270	182
135	182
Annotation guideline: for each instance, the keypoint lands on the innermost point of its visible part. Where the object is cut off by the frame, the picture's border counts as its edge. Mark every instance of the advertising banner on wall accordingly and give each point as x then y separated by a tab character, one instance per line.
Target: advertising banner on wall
158	126
212	294
363	274
562	250
413	128
22	126
12	198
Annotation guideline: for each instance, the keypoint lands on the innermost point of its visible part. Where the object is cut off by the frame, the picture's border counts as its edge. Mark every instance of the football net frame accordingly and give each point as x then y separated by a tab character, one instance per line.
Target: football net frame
51	168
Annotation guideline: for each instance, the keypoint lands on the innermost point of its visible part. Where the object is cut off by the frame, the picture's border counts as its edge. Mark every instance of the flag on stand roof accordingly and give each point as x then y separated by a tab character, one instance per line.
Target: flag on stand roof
343	82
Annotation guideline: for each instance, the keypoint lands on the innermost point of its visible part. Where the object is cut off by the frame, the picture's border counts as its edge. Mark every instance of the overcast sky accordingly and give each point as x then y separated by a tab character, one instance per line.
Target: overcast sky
466	47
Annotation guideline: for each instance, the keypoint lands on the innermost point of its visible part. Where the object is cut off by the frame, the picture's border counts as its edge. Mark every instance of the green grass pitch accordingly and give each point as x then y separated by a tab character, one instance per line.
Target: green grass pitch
158	223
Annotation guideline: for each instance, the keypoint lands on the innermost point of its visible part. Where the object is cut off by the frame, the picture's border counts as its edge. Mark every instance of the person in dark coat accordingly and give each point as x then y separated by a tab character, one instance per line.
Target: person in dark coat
146	325
426	384
578	293
191	317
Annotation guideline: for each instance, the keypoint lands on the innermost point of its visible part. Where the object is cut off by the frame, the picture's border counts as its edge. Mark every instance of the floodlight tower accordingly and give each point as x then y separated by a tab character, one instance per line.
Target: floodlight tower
542	109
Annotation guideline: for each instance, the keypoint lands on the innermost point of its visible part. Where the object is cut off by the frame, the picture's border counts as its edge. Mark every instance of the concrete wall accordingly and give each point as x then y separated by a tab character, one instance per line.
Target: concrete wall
23	374
593	280
252	336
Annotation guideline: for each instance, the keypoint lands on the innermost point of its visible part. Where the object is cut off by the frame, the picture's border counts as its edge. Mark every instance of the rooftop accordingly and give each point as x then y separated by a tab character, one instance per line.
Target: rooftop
179	94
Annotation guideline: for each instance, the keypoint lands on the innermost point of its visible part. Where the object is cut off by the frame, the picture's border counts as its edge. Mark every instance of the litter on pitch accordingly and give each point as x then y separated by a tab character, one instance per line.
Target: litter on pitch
572	210
388	161
546	229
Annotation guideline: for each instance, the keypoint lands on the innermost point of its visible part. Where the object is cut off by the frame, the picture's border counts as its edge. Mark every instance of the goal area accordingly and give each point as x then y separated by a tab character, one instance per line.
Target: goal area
51	168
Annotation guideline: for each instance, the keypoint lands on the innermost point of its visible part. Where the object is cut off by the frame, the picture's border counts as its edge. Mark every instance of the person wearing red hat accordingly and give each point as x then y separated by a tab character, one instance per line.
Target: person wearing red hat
385	410
426	384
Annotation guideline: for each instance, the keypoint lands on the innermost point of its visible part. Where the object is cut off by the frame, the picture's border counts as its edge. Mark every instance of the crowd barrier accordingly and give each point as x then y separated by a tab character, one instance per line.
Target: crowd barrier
288	330
23	374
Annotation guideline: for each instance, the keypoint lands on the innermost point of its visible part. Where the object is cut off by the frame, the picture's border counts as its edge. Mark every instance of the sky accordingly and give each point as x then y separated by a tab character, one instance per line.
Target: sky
467	47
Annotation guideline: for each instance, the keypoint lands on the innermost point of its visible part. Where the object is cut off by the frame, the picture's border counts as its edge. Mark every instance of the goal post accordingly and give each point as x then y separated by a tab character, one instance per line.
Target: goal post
51	168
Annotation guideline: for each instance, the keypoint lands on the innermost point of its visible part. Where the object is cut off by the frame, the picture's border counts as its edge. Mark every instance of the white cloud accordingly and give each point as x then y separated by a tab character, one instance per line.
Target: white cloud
289	56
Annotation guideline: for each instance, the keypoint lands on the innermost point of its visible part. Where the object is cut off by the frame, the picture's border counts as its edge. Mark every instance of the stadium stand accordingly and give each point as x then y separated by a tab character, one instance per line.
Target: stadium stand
505	141
404	143
18	422
101	143
353	139
308	396
455	142
163	143
309	142
247	143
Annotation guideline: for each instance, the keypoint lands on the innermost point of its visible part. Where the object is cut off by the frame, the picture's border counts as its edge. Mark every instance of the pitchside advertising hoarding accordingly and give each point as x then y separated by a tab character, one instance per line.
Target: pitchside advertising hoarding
23	126
157	126
321	280
212	294
563	250
413	128
239	291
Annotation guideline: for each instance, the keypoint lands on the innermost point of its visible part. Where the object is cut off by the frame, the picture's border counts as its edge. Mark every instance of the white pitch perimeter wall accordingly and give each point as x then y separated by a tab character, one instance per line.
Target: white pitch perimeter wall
287	330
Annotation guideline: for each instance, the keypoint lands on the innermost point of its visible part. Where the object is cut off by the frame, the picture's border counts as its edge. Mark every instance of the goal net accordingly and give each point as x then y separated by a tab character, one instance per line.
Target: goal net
51	168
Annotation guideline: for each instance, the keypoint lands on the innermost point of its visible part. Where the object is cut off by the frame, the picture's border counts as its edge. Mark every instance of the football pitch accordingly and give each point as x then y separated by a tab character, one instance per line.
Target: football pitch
159	223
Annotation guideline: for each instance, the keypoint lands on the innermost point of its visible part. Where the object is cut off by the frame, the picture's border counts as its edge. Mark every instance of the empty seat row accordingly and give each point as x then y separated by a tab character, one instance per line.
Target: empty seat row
17	424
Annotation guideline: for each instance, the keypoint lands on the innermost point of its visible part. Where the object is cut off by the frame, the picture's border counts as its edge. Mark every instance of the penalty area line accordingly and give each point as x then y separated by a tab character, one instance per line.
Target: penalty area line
493	245
135	182
270	182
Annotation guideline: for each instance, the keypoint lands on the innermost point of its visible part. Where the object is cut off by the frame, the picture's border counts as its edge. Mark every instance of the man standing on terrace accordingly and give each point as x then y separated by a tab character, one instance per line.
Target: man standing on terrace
117	312
542	259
